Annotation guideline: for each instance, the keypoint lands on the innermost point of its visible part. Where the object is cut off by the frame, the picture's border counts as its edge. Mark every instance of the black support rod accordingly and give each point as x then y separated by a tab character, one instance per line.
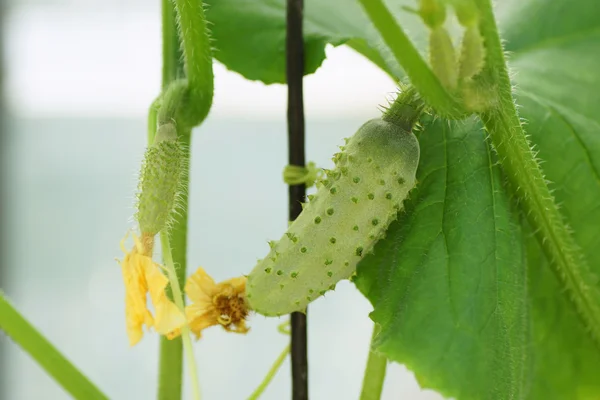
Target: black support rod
297	193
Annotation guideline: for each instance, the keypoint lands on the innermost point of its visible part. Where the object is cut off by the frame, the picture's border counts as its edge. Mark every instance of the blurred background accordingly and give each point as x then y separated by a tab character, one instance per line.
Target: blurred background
77	78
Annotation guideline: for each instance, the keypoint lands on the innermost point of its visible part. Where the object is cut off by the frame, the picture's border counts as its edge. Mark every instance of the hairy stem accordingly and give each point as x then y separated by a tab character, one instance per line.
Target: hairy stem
172	68
406	110
171	351
170	369
187	111
374	373
197	60
421	76
45	354
519	163
174	280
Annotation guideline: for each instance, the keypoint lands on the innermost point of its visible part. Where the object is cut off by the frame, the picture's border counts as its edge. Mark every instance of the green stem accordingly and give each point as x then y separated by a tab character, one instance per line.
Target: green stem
271	374
174	280
179	229
283	328
170	369
45	354
519	163
153	120
198	60
421	76
374	373
172	100
172	67
171	351
406	110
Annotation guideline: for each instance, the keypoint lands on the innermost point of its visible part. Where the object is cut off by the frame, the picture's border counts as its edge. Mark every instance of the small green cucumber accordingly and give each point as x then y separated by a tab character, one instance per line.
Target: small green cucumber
472	54
160	180
350	212
442	57
433	12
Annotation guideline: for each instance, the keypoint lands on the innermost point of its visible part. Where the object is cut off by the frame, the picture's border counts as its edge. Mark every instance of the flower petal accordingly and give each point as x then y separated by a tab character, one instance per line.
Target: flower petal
136	313
200	287
202	321
238	284
196	310
168	317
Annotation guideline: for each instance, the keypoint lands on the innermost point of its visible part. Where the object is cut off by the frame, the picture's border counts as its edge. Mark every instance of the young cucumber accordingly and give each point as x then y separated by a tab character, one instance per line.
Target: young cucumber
342	222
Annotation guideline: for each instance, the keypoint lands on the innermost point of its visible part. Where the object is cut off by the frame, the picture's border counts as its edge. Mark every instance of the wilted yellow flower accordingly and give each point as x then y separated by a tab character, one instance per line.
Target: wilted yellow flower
216	304
141	276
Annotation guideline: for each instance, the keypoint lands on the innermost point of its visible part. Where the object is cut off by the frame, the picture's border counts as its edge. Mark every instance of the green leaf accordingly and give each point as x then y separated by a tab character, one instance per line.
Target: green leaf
567	360
559	94
554	52
448	284
249	38
555	55
249	35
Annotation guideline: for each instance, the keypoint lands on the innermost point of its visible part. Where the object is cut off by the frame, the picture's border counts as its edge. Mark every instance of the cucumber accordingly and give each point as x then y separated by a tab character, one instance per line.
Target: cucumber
442	57
341	223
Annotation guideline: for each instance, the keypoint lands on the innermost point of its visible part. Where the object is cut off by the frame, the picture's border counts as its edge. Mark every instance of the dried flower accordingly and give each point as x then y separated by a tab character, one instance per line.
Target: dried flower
141	276
216	304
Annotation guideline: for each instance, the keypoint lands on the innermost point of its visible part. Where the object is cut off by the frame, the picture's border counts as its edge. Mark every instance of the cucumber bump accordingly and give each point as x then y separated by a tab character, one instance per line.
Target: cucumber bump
350	212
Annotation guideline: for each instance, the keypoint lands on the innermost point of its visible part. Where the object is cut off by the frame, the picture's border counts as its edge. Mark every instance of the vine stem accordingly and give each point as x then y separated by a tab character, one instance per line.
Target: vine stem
152	120
374	373
178	298
297	193
197	54
171	351
525	175
283	329
271	374
189	37
45	354
170	367
421	76
172	67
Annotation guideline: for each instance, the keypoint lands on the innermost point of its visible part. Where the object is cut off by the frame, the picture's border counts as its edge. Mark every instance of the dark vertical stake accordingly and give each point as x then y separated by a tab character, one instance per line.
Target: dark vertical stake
297	193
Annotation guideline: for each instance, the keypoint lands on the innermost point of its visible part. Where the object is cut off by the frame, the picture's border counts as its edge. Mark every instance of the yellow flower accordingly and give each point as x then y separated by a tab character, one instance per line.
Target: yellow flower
216	304
141	276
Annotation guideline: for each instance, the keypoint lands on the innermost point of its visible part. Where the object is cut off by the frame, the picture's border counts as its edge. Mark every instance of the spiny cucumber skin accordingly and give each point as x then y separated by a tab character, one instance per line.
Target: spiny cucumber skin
160	179
349	213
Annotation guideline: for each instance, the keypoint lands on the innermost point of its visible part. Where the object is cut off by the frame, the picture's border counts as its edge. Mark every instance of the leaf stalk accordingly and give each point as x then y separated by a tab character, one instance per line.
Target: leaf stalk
525	175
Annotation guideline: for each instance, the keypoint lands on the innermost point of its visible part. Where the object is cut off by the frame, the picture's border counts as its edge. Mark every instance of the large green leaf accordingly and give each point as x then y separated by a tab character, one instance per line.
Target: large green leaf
430	282
556	54
448	285
249	38
249	35
559	94
567	361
